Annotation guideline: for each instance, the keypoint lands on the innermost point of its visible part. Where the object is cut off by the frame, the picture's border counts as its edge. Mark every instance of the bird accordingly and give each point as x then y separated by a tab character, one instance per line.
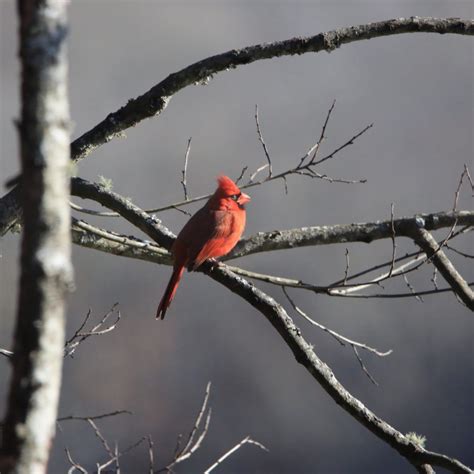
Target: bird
210	233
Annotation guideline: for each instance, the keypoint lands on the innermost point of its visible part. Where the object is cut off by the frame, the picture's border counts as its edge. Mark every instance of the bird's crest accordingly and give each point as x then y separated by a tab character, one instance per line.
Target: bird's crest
227	185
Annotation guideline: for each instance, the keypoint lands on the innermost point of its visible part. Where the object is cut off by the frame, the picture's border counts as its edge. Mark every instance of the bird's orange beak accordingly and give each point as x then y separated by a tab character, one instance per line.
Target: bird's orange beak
244	198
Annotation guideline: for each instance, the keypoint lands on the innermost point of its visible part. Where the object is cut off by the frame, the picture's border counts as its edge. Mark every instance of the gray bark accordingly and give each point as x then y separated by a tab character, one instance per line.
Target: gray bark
46	270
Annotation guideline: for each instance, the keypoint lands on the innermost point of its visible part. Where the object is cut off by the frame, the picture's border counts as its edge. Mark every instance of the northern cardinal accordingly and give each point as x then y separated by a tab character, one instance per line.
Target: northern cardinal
212	232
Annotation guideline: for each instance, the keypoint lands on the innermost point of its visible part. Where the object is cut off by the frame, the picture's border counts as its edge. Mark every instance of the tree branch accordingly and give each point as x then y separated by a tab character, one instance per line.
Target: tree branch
46	269
157	98
302	168
143	250
154	101
305	355
275	240
132	213
92	240
291	334
336	234
434	252
278	239
246	440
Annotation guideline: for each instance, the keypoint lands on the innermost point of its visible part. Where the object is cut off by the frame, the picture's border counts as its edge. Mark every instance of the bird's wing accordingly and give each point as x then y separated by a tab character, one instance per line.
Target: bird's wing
205	235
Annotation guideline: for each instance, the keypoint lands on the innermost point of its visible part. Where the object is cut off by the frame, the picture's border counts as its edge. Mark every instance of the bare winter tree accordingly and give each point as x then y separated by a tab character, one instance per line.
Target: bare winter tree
45	272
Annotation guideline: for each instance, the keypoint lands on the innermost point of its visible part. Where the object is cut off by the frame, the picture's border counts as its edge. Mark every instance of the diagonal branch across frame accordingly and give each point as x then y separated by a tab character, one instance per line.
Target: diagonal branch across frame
274	312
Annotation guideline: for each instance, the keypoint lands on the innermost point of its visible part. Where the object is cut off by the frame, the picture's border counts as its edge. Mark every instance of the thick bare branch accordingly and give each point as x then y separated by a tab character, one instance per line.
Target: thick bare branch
154	254
93	237
305	355
336	234
148	253
278	239
302	350
434	252
275	240
135	215
154	101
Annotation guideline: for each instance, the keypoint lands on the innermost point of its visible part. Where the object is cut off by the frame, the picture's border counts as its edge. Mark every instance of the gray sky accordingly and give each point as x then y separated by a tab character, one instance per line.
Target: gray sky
417	89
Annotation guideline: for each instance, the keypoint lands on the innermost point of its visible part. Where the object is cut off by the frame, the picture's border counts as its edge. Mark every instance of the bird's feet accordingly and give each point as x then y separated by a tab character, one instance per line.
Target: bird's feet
213	262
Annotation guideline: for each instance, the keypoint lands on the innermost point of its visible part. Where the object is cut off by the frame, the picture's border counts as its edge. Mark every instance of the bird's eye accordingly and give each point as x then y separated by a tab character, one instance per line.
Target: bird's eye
235	197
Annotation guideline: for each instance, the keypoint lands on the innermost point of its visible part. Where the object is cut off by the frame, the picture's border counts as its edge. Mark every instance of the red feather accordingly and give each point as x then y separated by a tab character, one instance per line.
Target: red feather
212	232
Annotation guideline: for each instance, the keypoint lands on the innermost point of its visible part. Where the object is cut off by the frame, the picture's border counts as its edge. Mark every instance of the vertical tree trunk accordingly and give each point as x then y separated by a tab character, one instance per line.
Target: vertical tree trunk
46	270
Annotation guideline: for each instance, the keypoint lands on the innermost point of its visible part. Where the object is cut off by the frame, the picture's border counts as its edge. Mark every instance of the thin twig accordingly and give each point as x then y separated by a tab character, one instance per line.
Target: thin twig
74	465
394	245
346	271
241	175
345	145
246	440
95	417
339	337
80	336
434	278
118	455
411	294
117	458
397	260
98	330
307	154
459	252
6	352
322	137
185	169
363	367
102	439
329	290
400	270
254	175
199	441
301	169
198	419
313	174
260	138
191	446
455	205
151	457
412	289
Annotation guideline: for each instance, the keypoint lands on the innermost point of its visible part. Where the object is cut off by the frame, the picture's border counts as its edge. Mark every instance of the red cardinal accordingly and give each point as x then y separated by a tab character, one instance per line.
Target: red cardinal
212	232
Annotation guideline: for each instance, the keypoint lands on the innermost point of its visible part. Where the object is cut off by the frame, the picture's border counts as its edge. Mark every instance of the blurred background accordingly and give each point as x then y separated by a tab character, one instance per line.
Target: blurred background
416	88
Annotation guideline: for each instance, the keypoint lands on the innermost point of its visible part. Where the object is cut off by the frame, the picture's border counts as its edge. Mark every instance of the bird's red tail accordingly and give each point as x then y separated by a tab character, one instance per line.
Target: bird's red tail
170	292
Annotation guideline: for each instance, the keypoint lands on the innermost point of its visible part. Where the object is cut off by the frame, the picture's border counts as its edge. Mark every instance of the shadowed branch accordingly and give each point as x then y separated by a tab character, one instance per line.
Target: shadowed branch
277	316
